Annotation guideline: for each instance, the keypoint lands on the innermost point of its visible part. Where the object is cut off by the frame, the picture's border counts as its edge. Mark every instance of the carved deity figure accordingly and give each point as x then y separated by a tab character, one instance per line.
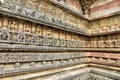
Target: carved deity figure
34	3
49	32
35	39
107	43
17	66
13	25
101	44
46	41
5	22
2	68
113	27
105	29
95	44
83	43
32	64
24	1
39	30
99	29
54	42
113	43
27	27
117	43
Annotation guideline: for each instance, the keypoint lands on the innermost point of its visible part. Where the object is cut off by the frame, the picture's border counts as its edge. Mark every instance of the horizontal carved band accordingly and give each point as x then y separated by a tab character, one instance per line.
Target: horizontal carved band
25	57
91	76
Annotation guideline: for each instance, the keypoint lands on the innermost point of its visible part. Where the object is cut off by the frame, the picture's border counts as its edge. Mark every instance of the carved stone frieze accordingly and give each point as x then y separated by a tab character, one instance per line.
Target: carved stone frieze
32	41
18	37
35	15
21	57
19	68
91	76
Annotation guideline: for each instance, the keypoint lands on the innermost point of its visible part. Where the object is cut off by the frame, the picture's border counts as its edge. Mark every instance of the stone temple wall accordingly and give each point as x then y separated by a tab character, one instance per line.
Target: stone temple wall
47	40
102	8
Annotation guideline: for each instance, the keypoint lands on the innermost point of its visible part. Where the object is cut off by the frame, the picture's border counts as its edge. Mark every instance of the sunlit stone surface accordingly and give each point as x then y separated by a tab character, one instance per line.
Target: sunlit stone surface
59	40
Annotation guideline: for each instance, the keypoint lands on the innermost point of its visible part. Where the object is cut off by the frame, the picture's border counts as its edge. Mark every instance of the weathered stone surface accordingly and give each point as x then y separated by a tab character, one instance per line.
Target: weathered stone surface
43	35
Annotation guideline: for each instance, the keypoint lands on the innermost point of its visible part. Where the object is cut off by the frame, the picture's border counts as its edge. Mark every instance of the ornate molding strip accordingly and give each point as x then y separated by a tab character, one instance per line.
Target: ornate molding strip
82	74
20	68
42	61
27	57
45	43
91	76
21	42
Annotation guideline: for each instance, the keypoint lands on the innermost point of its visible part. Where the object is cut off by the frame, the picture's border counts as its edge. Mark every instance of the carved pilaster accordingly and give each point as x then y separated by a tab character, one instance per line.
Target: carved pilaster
86	6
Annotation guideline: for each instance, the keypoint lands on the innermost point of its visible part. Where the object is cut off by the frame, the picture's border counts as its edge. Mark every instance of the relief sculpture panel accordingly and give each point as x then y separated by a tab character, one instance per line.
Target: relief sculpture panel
45	12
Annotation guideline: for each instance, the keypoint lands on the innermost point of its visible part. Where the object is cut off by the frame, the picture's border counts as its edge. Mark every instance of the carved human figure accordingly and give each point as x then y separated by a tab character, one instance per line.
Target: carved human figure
2	67
99	29
93	30
5	22
107	43
117	43
27	27
34	3
49	32
54	42
113	27
35	39
39	30
32	64
13	25
25	2
102	45
62	42
92	44
113	43
105	29
17	66
82	43
46	41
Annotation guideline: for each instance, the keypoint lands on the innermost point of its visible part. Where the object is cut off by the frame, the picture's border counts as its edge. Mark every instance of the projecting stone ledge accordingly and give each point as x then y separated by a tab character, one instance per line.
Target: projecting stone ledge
81	72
